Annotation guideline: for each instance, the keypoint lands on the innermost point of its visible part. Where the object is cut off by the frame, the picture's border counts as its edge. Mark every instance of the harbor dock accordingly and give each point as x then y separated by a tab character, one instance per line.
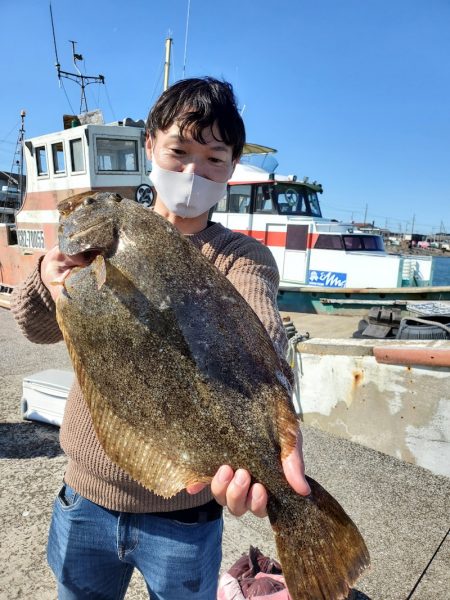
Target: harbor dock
401	509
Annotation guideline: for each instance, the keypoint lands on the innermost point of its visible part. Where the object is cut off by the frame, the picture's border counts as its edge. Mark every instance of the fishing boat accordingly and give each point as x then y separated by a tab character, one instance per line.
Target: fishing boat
325	266
87	157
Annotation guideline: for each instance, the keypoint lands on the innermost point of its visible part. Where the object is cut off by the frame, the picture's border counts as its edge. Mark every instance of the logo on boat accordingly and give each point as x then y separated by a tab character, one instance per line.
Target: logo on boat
327	279
31	238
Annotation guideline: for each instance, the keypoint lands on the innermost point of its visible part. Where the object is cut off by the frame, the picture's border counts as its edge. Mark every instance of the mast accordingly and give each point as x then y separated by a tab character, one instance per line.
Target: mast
167	63
23	114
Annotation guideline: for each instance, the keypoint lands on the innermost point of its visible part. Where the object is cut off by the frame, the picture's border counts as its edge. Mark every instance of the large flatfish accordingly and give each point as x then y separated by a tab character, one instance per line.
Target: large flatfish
180	377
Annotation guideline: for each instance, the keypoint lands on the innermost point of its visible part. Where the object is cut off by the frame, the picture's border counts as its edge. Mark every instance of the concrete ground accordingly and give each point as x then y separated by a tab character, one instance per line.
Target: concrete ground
323	326
401	510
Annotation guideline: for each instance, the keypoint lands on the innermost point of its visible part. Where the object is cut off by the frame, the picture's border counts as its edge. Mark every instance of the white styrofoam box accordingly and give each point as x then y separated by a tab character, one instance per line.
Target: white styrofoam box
44	395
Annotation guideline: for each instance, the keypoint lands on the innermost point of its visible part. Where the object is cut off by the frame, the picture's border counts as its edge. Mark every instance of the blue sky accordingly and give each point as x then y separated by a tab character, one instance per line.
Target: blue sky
352	93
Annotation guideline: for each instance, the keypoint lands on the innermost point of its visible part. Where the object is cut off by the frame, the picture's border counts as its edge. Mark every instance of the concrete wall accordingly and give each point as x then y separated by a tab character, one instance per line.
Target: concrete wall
399	409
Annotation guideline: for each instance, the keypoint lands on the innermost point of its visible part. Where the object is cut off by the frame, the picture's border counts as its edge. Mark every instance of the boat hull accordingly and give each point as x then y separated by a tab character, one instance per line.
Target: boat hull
353	301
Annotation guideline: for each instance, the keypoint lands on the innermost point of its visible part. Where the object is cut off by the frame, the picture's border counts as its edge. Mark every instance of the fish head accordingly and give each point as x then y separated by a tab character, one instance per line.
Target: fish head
89	222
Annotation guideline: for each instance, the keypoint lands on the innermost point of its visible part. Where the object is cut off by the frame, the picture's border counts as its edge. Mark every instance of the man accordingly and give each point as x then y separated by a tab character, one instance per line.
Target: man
105	524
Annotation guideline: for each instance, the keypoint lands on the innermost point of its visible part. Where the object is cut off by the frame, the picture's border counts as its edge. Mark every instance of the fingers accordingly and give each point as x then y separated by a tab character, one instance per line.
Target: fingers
56	266
294	469
220	483
234	491
257	500
195	488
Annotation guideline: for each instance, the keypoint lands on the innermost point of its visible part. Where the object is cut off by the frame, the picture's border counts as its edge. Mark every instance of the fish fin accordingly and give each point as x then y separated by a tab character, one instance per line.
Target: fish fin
133	453
286	423
320	548
99	270
136	455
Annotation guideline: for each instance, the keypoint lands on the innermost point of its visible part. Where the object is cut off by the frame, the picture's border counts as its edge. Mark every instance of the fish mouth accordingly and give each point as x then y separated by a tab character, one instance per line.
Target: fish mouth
92	240
73	237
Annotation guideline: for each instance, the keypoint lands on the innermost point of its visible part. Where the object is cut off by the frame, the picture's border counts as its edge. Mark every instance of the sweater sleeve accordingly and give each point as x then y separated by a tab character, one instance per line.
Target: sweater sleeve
34	310
254	273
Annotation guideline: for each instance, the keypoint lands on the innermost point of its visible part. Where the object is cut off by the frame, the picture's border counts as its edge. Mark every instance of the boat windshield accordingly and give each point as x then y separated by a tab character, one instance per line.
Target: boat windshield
295	199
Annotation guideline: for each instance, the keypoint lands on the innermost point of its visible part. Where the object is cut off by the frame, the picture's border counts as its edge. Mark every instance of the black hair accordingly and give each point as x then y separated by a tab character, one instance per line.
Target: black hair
196	104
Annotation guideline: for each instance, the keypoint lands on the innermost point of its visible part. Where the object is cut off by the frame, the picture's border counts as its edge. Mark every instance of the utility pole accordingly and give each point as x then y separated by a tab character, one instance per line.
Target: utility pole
365	215
412	226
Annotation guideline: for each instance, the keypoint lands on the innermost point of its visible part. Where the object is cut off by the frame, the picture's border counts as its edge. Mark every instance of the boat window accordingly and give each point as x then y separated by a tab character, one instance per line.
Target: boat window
263	201
290	200
41	161
221	206
313	202
329	242
372	243
59	163
76	155
295	199
239	198
117	155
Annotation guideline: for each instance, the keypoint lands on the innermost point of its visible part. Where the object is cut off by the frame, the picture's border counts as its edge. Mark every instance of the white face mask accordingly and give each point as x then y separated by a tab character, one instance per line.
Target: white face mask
186	194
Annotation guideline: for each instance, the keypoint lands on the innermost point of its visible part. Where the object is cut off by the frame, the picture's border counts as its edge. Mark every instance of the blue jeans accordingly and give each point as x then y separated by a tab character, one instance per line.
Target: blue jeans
93	551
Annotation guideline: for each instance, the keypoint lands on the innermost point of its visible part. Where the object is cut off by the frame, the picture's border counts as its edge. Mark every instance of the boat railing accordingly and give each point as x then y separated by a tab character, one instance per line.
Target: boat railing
416	271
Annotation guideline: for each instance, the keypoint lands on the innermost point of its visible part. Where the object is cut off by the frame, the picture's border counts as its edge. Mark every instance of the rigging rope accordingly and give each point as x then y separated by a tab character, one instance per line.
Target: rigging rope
186	38
67	97
109	103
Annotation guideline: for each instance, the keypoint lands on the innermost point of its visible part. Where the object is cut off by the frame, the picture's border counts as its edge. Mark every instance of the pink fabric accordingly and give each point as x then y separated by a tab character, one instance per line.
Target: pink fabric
281	595
229	589
254	577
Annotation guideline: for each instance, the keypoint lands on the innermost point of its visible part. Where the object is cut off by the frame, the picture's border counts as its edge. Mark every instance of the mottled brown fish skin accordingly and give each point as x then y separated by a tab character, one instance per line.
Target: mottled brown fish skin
181	377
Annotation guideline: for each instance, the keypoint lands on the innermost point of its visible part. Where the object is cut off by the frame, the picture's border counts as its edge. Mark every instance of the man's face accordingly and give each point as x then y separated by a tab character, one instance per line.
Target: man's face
212	160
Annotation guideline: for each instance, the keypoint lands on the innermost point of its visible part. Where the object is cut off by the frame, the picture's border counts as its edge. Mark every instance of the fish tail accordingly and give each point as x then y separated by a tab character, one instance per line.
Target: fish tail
320	549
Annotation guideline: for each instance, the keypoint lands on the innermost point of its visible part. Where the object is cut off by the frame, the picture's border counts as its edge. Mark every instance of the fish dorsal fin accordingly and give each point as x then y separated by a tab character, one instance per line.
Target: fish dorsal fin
137	456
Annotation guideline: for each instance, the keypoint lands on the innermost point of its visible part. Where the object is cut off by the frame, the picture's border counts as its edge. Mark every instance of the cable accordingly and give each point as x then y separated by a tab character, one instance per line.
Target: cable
186	38
67	97
10	132
426	568
109	103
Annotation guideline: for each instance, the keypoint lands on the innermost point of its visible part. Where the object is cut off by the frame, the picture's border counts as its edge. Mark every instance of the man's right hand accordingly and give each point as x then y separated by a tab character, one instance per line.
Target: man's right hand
55	267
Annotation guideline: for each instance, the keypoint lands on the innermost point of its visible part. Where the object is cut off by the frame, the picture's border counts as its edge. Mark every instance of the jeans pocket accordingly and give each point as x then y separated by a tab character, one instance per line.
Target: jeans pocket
68	498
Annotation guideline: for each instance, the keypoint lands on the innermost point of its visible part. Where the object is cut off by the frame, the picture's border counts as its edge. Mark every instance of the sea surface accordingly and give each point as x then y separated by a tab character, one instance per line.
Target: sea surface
441	270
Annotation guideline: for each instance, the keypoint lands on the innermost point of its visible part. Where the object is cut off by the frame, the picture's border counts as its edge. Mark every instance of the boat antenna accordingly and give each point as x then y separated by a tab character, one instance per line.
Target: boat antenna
79	78
186	38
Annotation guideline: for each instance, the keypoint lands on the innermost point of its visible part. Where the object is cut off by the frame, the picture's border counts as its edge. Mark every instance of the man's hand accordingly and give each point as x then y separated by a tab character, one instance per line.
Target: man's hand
55	267
233	489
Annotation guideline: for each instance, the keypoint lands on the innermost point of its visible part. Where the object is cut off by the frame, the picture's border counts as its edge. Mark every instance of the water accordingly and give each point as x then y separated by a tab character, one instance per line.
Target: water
441	272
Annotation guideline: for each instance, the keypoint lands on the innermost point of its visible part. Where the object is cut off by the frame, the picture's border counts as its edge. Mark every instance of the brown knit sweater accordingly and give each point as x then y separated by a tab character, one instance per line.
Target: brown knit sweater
249	266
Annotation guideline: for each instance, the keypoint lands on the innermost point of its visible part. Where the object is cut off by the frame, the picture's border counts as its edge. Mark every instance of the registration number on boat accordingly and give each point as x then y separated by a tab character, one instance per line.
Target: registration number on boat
31	238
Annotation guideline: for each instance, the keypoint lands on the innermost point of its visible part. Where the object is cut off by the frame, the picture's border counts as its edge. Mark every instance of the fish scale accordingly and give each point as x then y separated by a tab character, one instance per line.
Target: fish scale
180	376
